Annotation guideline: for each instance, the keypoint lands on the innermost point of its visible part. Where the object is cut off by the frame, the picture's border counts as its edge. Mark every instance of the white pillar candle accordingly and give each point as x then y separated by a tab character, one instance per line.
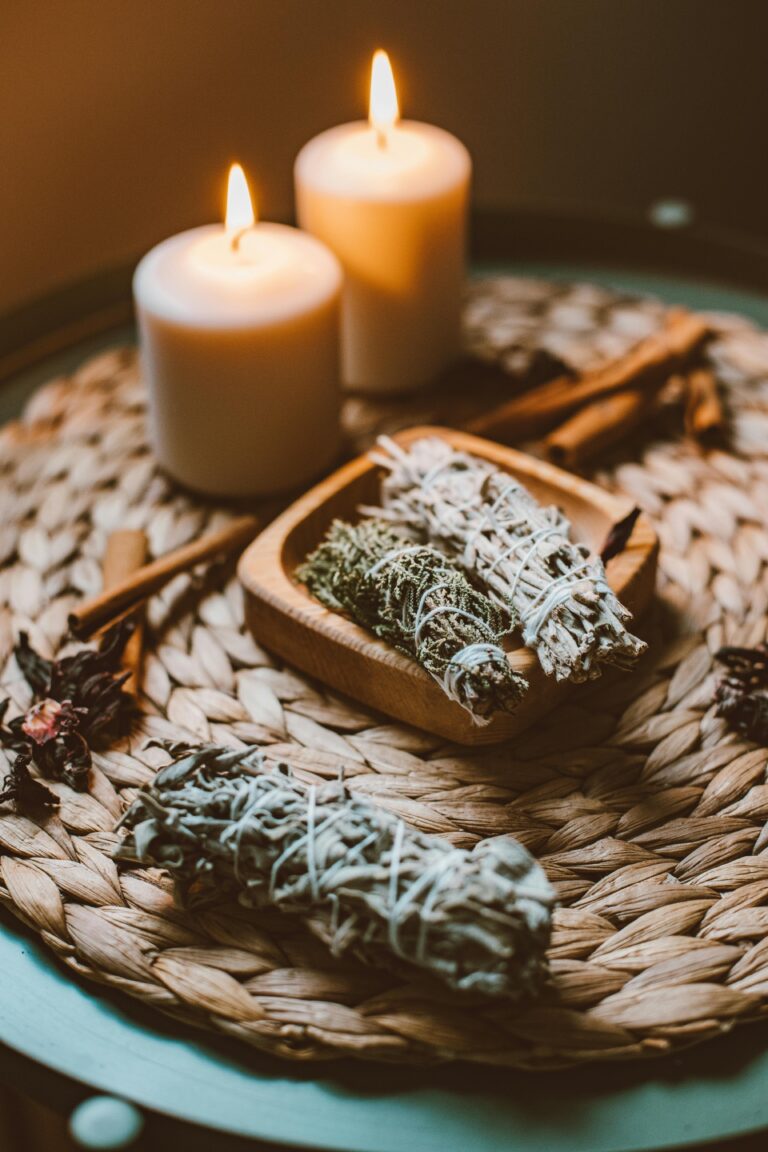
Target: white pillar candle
239	331
390	198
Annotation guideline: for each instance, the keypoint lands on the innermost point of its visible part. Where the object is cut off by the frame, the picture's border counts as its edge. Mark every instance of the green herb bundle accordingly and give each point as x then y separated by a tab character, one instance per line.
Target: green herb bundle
419	601
363	881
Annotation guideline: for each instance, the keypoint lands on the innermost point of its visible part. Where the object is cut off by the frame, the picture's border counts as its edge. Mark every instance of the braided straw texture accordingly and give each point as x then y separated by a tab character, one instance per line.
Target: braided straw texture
646	811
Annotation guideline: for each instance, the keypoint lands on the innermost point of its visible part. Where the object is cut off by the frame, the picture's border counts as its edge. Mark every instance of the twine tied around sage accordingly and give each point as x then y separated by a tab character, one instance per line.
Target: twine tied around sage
518	550
362	880
421	602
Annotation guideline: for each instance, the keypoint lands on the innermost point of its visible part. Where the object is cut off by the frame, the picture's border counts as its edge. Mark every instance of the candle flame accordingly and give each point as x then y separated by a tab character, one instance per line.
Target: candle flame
239	217
383	110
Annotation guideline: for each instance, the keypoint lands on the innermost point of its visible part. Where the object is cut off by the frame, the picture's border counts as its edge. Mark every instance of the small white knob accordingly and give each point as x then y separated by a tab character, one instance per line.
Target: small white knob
105	1122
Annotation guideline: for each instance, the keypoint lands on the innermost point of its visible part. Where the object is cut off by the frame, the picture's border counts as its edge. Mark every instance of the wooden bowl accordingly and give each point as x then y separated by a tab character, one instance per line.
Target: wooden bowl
287	620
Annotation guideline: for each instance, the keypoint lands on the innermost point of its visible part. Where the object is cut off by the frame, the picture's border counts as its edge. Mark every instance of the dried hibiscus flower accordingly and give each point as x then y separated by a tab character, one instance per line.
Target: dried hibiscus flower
80	703
742	694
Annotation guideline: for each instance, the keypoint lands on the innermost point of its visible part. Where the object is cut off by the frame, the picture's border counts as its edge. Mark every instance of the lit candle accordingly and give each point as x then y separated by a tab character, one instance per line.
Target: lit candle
239	329
390	198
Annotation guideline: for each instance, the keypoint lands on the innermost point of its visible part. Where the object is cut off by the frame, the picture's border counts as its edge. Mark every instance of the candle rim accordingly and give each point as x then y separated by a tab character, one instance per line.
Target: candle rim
420	183
195	302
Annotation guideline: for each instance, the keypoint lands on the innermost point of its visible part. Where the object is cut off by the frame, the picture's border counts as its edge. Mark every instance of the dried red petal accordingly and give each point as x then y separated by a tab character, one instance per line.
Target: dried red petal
43	721
49	719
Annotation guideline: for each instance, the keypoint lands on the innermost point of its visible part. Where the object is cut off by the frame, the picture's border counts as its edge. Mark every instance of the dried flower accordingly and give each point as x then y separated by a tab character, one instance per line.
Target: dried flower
363	881
81	702
49	719
742	695
28	793
618	537
416	599
518	550
92	680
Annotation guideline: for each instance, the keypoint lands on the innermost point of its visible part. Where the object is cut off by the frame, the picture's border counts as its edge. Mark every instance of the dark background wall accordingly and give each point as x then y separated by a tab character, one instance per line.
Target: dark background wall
118	118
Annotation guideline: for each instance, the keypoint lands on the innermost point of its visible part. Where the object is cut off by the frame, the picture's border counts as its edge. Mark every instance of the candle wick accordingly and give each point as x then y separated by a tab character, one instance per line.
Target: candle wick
381	138
236	238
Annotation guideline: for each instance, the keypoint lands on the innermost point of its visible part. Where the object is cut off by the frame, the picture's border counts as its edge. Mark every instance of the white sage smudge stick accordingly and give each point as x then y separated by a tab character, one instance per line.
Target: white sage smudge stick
363	881
518	549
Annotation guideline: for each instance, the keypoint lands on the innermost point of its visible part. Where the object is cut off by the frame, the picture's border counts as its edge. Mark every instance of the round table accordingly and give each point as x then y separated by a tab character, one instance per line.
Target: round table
105	1043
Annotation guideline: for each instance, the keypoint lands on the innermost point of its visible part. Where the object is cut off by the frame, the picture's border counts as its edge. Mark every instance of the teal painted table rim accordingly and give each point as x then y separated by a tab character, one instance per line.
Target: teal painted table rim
114	1045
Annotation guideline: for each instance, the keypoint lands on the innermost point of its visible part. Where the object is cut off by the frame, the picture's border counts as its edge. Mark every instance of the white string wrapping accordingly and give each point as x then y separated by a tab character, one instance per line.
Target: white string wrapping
519	550
470	658
413	596
362	880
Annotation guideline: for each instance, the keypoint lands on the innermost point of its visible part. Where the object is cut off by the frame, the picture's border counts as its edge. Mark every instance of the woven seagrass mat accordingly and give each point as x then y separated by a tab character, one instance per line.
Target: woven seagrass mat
647	813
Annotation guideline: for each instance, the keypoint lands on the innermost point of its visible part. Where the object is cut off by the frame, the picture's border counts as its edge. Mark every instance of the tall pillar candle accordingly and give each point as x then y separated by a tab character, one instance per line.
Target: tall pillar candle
239	331
390	199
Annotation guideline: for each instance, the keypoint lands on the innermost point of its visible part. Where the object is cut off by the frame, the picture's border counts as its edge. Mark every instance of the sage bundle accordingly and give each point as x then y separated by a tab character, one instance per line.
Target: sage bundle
364	882
419	601
517	549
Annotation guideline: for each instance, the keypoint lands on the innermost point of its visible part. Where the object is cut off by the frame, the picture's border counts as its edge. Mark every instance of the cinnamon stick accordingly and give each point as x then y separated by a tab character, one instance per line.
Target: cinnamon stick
598	426
112	602
704	414
646	366
125	554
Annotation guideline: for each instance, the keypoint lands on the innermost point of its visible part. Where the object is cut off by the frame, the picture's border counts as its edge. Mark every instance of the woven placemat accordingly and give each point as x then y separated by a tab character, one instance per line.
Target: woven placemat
646	811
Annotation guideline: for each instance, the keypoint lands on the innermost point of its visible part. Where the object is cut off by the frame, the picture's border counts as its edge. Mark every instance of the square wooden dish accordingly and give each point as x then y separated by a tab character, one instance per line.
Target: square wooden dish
288	621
